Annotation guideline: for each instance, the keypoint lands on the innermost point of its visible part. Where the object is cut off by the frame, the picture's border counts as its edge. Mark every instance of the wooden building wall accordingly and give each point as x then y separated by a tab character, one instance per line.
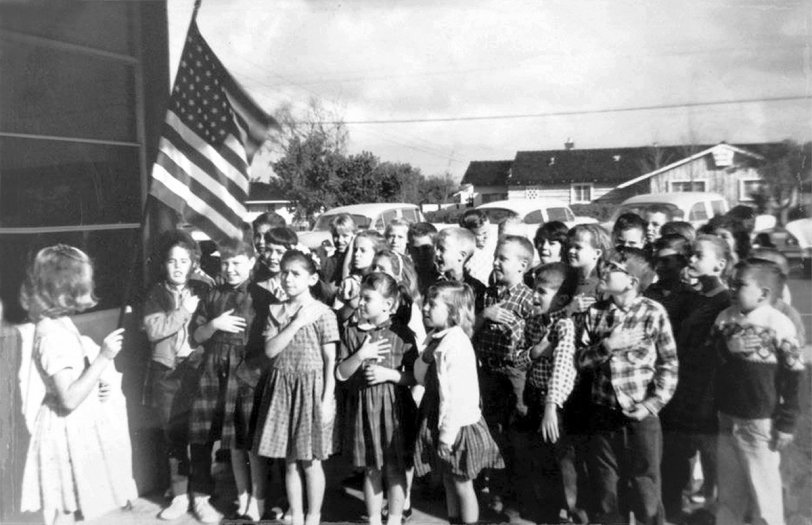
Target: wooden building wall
724	181
560	192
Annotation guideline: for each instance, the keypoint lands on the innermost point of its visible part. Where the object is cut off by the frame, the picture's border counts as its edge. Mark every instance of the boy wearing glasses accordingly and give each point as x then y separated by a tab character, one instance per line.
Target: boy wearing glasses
628	347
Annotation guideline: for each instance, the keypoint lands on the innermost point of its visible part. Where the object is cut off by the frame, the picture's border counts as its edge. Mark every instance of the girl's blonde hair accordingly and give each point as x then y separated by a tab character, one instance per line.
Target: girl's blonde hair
459	299
59	282
599	238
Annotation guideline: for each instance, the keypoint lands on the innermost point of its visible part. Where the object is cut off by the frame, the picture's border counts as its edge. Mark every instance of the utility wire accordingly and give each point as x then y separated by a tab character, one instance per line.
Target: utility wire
571	112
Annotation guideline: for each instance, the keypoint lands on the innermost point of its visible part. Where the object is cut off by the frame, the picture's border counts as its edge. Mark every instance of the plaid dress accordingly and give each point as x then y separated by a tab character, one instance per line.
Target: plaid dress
380	419
232	363
289	423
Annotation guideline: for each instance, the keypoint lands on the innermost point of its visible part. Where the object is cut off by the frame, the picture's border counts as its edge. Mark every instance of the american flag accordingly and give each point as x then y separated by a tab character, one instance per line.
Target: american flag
212	130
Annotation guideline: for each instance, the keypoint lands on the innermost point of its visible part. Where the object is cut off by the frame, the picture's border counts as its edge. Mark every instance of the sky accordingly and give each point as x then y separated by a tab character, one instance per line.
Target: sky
480	80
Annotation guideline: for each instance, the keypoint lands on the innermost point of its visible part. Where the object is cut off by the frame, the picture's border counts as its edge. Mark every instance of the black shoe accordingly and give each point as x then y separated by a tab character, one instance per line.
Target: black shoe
407	514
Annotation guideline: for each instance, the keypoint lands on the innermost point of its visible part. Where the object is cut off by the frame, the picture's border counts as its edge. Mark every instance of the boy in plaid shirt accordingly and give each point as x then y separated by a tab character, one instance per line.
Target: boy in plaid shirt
499	336
549	357
628	345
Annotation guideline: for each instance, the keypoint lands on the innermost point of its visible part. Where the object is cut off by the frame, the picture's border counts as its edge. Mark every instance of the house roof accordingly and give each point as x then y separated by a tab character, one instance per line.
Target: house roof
487	172
606	165
264	192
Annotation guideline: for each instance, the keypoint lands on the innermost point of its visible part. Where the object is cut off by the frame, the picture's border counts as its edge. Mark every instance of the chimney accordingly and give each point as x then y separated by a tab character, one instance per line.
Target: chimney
569	144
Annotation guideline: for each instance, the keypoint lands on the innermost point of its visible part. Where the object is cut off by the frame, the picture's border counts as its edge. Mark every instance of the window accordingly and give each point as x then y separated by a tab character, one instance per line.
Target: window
747	187
532	192
534	217
559	214
581	193
410	214
72	146
687	185
698	212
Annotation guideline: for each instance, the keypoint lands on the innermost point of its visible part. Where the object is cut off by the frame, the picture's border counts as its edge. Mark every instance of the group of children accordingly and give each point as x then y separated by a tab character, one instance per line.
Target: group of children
591	366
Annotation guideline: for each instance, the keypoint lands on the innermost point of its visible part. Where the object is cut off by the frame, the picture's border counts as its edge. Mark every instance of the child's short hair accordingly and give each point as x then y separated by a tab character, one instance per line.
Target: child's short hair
553	231
384	284
598	236
772	255
235	247
722	250
766	273
422	229
59	282
686	229
525	246
661	208
551	274
459	299
473	219
635	262
282	236
675	242
270	219
463	237
396	223
299	256
509	225
343	223
629	221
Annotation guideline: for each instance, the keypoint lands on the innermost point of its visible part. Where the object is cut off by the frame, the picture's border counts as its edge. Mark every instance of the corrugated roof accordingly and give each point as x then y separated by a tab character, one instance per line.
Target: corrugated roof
487	172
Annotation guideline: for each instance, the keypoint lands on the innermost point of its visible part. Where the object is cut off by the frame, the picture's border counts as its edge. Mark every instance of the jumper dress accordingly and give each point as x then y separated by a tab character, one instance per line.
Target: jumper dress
380	420
289	423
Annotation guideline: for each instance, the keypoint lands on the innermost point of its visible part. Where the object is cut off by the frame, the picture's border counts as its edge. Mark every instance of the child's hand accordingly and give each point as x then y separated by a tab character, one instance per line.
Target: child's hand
542	349
376	375
621	338
104	391
444	450
496	314
188	301
226	322
374	349
638	412
780	440
308	314
549	423
111	345
350	289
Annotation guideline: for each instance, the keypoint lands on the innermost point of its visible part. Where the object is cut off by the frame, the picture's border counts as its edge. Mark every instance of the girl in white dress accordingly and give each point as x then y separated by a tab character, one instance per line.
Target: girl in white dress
70	467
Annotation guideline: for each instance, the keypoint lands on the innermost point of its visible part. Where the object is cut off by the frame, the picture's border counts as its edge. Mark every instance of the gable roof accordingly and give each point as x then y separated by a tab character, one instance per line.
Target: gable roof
487	172
713	150
606	165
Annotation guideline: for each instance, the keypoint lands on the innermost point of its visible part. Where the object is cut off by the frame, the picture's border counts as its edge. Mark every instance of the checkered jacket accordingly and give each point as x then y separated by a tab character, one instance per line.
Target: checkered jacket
645	372
553	376
495	340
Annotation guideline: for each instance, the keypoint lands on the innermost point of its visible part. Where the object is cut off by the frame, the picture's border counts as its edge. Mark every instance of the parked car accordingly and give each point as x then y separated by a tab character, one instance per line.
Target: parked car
533	212
367	216
799	233
692	206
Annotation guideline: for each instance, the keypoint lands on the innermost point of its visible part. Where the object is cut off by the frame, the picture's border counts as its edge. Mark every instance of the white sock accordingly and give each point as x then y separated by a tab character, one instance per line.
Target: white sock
313	519
393	519
297	519
375	520
242	503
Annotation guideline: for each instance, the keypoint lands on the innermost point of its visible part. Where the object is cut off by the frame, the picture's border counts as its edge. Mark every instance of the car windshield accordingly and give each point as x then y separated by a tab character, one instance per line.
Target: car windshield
497	215
640	209
323	222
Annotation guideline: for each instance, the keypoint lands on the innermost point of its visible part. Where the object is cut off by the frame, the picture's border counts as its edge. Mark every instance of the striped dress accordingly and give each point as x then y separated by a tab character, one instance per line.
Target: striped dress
379	420
289	423
474	448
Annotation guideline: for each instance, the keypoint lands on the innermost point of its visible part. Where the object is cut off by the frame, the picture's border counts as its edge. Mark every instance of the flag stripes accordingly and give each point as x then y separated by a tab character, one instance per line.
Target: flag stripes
211	131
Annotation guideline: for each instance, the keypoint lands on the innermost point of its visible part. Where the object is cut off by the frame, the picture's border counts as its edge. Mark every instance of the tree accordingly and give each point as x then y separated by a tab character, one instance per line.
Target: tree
786	167
437	189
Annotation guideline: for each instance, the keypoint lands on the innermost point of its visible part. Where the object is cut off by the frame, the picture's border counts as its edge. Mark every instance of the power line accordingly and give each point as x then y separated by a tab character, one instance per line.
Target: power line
573	112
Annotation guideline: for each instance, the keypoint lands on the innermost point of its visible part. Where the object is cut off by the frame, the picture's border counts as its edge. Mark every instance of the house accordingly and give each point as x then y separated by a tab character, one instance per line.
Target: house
581	176
262	198
488	179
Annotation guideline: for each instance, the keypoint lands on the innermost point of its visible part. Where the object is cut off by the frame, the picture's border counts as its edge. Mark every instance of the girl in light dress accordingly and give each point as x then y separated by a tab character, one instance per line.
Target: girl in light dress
71	466
297	410
453	438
